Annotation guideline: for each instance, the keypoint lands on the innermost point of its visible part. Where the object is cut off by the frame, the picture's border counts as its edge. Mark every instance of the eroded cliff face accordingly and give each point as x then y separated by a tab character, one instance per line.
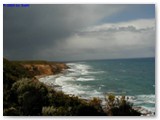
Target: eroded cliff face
45	69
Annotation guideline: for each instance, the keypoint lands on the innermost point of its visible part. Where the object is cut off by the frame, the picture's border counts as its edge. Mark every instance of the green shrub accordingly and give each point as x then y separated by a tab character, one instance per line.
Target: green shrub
87	110
11	112
120	107
31	96
12	72
48	111
52	111
96	102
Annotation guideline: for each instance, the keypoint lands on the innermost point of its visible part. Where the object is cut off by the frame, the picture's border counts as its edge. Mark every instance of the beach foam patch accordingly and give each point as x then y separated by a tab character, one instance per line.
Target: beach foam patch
85	79
145	101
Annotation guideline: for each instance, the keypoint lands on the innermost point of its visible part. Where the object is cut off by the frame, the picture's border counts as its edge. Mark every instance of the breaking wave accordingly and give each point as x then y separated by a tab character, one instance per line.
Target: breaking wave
72	82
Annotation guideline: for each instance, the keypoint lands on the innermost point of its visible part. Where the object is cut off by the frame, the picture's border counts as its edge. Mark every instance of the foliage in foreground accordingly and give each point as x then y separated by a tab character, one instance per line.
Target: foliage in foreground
24	95
34	98
119	107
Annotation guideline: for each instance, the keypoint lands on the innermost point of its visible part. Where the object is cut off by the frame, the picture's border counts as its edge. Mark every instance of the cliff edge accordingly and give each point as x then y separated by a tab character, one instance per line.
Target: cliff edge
47	68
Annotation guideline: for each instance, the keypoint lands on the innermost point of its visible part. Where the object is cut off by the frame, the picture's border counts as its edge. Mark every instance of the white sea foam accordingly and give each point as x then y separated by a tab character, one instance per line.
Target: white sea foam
85	79
81	69
73	89
147	98
48	80
68	79
145	101
69	87
69	82
142	99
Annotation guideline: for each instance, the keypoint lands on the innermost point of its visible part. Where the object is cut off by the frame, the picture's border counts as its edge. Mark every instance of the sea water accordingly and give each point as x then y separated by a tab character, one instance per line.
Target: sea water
134	78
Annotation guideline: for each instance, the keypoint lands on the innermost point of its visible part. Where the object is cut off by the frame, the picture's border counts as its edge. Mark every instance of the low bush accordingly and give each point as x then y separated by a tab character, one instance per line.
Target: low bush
119	107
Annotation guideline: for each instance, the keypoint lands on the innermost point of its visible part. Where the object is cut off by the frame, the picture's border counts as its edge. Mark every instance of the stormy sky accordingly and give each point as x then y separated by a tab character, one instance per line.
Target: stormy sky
78	32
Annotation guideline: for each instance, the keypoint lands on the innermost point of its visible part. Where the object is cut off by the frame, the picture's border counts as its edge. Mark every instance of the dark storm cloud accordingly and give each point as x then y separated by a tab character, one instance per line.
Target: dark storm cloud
72	32
27	31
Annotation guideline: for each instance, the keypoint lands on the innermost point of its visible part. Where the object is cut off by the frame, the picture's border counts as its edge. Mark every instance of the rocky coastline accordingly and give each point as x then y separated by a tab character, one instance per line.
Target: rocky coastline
45	69
42	70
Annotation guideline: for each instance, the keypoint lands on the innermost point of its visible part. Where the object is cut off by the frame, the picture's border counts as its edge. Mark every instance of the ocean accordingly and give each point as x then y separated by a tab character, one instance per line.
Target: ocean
134	78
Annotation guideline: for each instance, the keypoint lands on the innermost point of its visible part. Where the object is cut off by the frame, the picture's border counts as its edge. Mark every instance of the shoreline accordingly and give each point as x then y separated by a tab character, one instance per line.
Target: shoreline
143	111
40	76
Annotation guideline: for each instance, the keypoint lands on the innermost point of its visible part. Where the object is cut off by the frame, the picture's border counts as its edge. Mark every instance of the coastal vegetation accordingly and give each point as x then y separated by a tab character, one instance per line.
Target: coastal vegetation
24	95
119	106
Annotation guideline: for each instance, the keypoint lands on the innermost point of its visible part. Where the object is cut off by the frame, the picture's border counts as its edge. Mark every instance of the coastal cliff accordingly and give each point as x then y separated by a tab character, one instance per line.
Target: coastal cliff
24	95
40	69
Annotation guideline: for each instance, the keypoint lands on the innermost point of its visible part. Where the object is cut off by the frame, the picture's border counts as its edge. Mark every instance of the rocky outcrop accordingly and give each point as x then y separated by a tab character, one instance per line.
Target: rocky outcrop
45	69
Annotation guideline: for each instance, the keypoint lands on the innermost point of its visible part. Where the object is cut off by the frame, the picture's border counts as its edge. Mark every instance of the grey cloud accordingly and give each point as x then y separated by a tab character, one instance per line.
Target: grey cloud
111	44
30	31
116	29
59	32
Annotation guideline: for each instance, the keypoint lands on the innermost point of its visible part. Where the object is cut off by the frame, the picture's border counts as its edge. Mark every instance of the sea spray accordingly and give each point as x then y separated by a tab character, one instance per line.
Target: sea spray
133	78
